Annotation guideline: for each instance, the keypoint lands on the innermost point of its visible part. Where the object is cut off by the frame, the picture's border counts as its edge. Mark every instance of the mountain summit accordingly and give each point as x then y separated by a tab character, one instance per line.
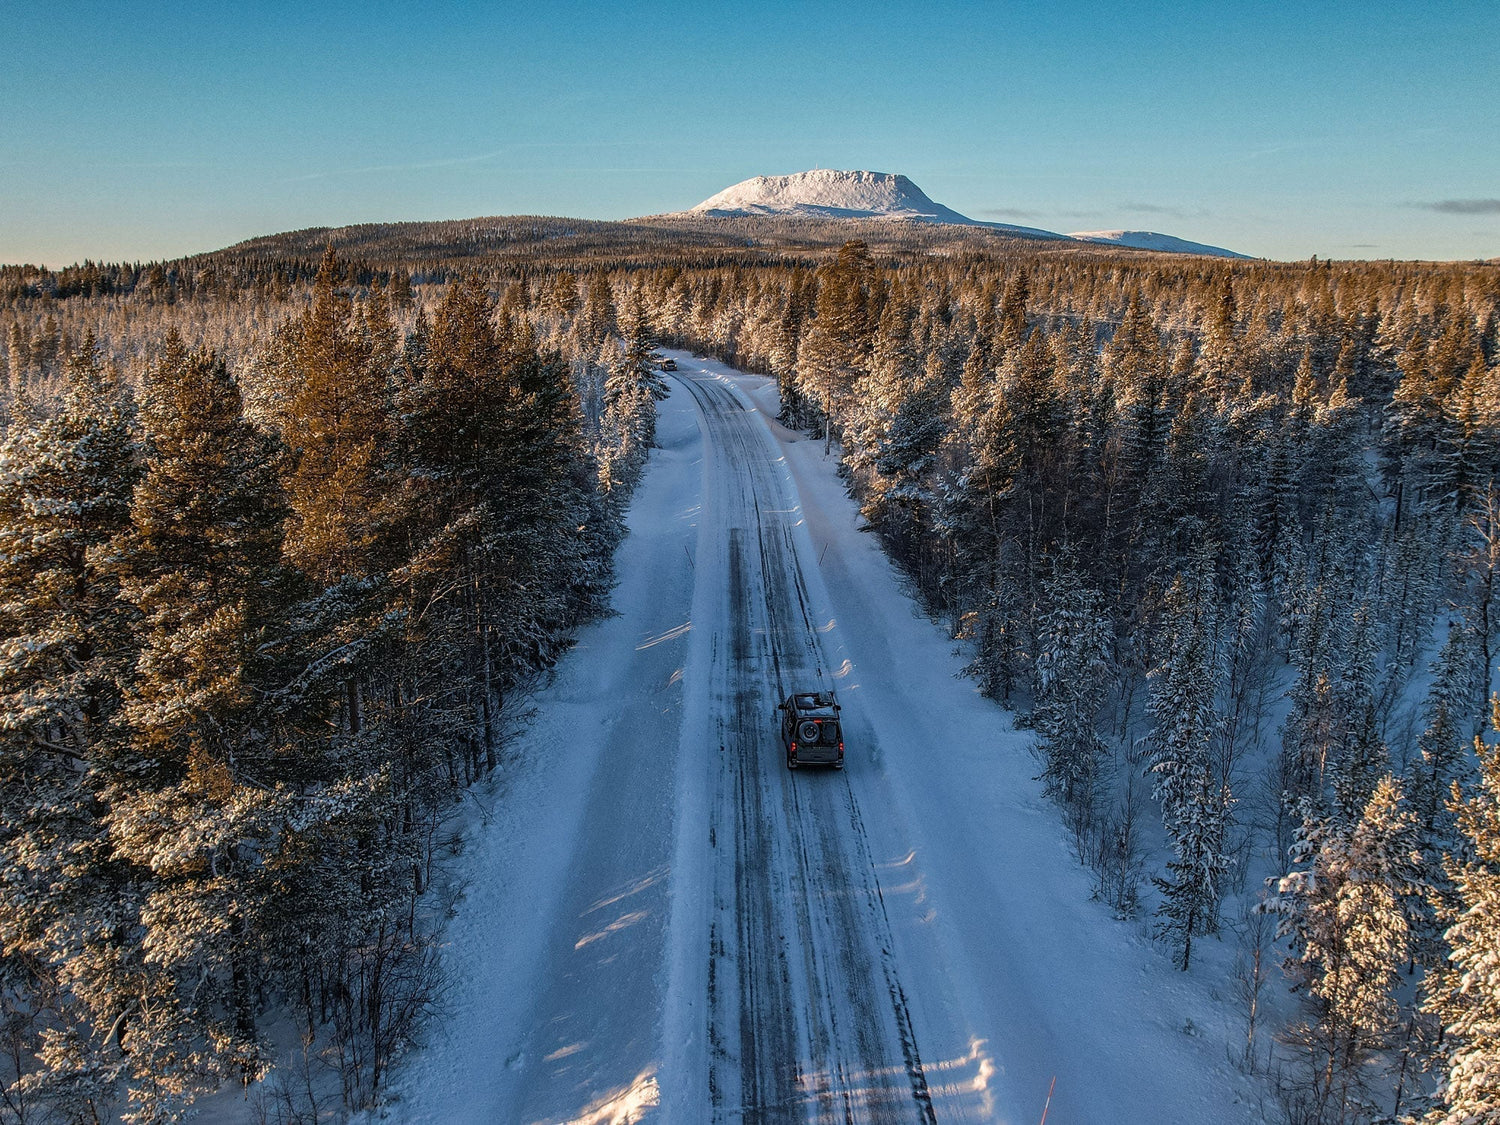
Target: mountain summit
828	194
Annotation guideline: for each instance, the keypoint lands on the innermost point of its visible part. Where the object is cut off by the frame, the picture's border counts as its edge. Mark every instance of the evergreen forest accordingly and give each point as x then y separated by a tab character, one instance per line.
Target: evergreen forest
287	535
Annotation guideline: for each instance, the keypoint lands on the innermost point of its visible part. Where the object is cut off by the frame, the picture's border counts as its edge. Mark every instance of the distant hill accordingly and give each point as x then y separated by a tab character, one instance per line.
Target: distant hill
688	237
1151	240
792	218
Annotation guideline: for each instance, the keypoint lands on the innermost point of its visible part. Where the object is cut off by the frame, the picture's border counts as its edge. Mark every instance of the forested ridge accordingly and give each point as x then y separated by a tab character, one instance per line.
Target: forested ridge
283	542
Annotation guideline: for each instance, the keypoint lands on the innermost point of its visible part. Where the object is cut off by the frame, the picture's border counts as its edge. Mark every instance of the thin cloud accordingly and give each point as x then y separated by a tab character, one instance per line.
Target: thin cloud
1169	210
1010	213
1462	206
1152	209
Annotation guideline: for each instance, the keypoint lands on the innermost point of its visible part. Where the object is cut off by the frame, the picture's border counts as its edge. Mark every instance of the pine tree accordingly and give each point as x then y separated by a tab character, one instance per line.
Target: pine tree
66	494
334	423
1073	680
1010	326
1464	993
596	319
66	647
905	460
1195	804
631	391
1345	915
194	800
1219	359
836	349
1444	743
492	438
1360	757
1479	571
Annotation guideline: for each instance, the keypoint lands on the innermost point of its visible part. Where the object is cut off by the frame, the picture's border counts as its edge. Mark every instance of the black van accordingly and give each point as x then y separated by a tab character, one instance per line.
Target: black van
810	730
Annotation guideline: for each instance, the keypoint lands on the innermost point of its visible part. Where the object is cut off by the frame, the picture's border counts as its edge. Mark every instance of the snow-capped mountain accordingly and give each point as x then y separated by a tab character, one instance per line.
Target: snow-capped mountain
826	193
1151	240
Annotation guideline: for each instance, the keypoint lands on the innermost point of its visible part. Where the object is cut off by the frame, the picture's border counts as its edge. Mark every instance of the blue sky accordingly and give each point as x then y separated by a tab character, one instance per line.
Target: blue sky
1342	129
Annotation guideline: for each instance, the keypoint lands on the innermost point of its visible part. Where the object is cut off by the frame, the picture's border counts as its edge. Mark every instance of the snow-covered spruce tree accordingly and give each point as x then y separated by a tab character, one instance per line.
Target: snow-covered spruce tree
1318	723
1245	648
1464	993
1195	803
1135	364
1218	360
1360	756
877	396
835	348
974	515
1407	572
1478	559
1443	746
66	647
1073	682
782	354
631	391
905	462
1443	758
998	509
1471	442
597	318
193	800
1345	914
1413	428
506	560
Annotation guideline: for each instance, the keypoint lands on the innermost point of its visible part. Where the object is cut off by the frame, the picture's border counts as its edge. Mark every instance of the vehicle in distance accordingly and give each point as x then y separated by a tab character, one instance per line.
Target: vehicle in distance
811	733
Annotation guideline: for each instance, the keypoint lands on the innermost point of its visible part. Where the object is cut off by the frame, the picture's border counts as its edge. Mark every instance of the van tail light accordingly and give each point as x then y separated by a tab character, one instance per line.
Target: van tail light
792	749
841	746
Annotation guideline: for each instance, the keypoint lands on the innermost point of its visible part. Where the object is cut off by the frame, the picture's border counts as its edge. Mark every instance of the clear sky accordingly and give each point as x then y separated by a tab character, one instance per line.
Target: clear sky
1366	128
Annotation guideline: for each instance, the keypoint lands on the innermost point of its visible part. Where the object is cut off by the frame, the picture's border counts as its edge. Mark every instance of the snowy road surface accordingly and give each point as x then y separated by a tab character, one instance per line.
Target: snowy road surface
662	922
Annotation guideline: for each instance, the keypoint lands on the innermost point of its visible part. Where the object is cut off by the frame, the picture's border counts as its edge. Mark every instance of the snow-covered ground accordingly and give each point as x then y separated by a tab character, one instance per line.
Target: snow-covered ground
663	923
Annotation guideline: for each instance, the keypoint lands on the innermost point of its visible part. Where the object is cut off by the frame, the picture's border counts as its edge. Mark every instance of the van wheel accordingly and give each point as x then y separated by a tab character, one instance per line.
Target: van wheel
838	765
791	763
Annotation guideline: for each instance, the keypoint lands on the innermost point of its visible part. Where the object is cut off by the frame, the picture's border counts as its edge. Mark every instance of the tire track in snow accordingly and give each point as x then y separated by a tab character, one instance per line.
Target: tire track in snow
815	1025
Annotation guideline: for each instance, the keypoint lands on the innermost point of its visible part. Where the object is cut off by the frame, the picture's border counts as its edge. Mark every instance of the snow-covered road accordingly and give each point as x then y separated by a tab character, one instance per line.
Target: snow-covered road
664	922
